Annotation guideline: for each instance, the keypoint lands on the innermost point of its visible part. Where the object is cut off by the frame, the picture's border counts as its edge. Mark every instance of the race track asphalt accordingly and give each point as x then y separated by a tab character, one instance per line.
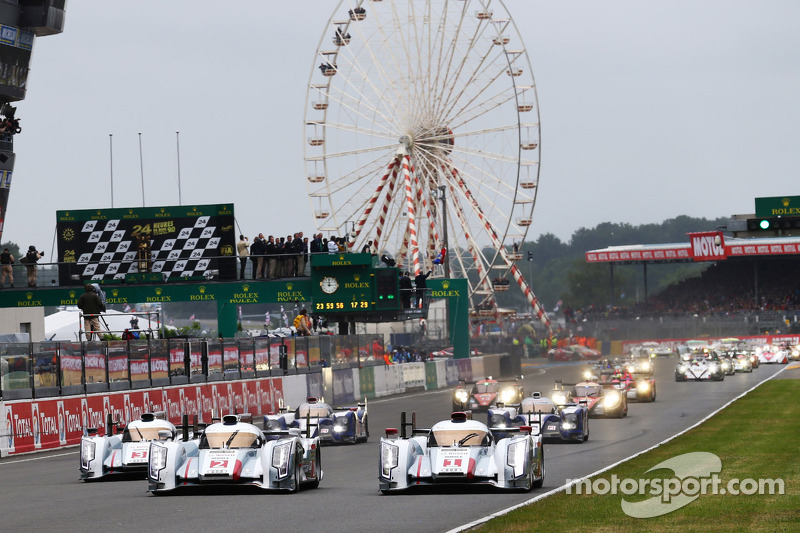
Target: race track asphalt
44	492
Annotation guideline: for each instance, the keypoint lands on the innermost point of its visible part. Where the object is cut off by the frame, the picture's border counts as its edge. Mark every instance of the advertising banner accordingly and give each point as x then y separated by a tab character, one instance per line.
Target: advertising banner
28	425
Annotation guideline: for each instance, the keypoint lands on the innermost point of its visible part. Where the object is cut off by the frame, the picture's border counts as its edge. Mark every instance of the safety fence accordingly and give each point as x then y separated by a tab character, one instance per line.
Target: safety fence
28	425
46	369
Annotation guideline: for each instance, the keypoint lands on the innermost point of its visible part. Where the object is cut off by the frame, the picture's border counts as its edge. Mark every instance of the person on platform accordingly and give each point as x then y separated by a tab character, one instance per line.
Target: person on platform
7	262
30	260
91	305
420	282
406	289
243	249
257	256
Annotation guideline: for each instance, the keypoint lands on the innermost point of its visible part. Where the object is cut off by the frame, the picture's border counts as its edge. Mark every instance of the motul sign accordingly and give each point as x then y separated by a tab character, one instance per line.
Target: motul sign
708	246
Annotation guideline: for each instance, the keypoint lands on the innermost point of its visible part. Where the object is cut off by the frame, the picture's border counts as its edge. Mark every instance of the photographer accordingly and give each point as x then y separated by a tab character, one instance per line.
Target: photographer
30	260
91	305
7	262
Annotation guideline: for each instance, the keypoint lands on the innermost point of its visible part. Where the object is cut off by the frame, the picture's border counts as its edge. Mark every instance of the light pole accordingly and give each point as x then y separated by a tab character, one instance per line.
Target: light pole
141	166
446	257
111	165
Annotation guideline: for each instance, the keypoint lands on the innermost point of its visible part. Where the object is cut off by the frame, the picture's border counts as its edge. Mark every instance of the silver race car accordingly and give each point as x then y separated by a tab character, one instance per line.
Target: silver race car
125	451
333	425
233	452
460	451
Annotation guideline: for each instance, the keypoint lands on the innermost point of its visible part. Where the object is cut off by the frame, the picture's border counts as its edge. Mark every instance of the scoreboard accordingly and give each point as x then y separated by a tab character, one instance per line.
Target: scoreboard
181	241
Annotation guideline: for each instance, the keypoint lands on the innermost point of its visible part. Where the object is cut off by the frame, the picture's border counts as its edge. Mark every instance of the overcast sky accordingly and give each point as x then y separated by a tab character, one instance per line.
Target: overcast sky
649	110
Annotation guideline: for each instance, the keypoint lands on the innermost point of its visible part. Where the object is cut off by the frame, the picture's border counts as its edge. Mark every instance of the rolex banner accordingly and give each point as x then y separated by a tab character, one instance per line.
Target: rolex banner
173	242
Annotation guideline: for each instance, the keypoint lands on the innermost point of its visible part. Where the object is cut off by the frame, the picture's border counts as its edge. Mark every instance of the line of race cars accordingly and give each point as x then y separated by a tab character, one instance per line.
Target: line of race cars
703	362
283	456
494	437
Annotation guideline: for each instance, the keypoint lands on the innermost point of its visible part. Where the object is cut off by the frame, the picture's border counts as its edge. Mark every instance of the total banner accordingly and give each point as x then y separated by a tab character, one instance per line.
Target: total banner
31	425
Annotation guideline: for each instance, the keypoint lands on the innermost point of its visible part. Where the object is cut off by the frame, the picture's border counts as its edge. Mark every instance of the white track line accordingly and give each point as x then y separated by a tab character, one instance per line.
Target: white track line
3	463
577	481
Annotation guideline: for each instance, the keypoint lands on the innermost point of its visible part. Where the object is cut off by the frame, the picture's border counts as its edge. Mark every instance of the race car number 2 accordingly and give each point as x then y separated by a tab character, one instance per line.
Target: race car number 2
220	462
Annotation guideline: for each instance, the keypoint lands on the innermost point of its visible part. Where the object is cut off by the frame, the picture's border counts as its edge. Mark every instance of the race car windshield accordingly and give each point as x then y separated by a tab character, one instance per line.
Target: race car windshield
484	387
541	406
139	434
588	390
453	437
218	440
314	410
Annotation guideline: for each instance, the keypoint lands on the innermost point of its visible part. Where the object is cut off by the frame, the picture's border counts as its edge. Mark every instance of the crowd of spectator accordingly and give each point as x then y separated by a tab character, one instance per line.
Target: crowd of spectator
725	288
273	257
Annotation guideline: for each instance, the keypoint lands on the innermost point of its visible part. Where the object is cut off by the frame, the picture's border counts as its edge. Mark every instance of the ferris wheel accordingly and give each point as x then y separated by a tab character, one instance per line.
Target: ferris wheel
422	133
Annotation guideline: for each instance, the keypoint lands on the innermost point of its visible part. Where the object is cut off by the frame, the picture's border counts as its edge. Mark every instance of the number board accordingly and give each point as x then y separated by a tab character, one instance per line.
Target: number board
342	283
185	241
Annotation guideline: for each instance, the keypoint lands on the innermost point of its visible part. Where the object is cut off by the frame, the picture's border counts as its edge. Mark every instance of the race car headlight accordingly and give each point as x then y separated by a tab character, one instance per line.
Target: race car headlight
568	425
507	395
646	366
280	458
516	456
157	460
713	367
587	375
559	398
631	369
461	396
682	369
643	386
87	452
389	457
611	400
338	428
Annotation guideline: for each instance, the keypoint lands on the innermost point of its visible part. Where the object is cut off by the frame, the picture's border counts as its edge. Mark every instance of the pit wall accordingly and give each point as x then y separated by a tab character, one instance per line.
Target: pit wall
49	423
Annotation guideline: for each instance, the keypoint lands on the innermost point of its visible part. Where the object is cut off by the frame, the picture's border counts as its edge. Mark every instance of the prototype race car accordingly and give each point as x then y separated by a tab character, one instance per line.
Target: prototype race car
101	455
742	362
602	400
699	369
233	452
460	451
333	425
639	365
574	353
485	393
555	423
770	354
727	365
652	349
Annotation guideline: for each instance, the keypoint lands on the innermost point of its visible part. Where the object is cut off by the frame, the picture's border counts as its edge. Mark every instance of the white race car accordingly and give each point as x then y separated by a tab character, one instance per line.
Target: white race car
101	455
699	369
742	362
770	354
460	451
333	425
233	452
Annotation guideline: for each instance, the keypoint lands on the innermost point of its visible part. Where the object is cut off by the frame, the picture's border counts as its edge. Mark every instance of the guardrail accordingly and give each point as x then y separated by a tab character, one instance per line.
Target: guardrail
46	369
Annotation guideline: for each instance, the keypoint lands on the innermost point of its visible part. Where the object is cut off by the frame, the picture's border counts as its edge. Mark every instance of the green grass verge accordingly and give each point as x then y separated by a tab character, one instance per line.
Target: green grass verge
756	437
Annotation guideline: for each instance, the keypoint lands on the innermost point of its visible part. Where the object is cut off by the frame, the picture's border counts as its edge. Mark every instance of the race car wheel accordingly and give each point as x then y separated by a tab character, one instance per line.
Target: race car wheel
317	469
366	428
537	484
653	396
297	468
